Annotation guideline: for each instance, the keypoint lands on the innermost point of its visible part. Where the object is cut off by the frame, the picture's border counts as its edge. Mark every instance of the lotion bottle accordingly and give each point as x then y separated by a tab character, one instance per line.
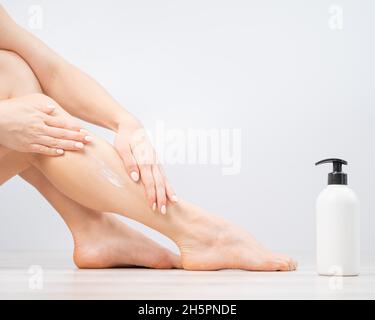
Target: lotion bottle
337	225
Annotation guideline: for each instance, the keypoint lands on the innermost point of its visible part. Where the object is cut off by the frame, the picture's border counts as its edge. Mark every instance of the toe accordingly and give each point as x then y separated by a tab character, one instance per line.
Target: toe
283	265
292	263
273	264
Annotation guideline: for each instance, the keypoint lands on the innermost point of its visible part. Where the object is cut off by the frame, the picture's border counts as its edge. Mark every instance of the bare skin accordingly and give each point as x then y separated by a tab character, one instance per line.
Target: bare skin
27	125
86	99
205	241
100	240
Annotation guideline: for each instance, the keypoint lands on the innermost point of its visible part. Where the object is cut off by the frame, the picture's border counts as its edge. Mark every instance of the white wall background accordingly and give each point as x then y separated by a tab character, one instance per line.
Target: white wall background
300	91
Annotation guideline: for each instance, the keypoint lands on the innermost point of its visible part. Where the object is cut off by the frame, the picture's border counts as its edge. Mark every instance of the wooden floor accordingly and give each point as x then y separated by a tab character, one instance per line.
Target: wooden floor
53	276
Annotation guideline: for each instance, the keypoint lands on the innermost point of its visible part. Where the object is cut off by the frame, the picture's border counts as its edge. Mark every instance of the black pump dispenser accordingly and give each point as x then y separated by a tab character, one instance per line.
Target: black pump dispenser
337	176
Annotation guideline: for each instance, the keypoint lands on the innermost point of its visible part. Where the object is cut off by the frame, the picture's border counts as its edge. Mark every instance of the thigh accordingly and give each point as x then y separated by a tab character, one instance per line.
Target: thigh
16	79
20	80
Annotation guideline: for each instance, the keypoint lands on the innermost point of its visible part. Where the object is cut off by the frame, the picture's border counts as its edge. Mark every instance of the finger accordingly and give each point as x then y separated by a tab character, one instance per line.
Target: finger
36	148
46	108
130	163
68	134
64	123
169	190
160	189
60	144
149	184
144	153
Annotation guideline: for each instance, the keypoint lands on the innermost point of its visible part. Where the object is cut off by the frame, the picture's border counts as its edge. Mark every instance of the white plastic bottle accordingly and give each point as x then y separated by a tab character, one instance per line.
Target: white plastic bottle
338	225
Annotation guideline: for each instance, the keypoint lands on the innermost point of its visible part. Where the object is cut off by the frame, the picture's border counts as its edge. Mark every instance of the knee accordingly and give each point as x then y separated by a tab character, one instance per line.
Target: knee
18	74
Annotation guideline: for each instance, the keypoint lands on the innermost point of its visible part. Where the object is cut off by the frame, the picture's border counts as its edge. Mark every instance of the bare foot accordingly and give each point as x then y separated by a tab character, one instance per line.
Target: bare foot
106	242
213	244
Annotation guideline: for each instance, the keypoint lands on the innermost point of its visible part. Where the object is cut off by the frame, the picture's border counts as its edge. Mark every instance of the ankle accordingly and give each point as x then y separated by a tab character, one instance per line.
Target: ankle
88	226
193	225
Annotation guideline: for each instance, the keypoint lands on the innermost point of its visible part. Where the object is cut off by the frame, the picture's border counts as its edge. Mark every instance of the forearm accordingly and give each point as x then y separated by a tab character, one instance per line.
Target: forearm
84	98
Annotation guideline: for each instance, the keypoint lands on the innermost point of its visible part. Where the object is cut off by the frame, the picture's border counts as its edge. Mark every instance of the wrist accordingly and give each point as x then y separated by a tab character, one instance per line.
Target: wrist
125	120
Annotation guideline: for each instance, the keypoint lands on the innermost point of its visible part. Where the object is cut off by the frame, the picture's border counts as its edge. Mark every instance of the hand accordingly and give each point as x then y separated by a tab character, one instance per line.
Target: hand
142	165
37	124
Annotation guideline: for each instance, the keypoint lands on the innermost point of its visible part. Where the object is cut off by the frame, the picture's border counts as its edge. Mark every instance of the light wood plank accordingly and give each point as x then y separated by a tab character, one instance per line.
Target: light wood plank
61	280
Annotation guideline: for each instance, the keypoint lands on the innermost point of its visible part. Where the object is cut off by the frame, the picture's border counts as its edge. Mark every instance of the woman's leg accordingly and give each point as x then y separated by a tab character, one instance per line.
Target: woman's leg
95	178
100	240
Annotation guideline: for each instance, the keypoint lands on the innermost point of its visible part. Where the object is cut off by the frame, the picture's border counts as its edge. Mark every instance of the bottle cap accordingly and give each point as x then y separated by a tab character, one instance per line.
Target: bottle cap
336	176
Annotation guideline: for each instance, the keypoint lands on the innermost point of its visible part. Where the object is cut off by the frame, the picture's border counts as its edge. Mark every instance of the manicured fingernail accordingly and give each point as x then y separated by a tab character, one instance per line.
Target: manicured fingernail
154	207
79	145
88	138
51	106
135	176
174	198
60	151
163	209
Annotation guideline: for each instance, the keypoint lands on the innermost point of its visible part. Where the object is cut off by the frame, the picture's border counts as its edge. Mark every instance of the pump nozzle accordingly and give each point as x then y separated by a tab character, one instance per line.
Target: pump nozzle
337	176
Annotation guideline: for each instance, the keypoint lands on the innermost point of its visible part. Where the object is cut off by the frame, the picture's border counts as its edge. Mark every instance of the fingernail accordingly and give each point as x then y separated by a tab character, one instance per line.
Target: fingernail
135	176
154	207
79	145
60	151
51	106
83	130
174	198
88	138
163	209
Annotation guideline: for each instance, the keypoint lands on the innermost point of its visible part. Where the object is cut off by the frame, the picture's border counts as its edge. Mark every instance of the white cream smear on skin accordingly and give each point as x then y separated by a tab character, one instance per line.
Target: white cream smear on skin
107	173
